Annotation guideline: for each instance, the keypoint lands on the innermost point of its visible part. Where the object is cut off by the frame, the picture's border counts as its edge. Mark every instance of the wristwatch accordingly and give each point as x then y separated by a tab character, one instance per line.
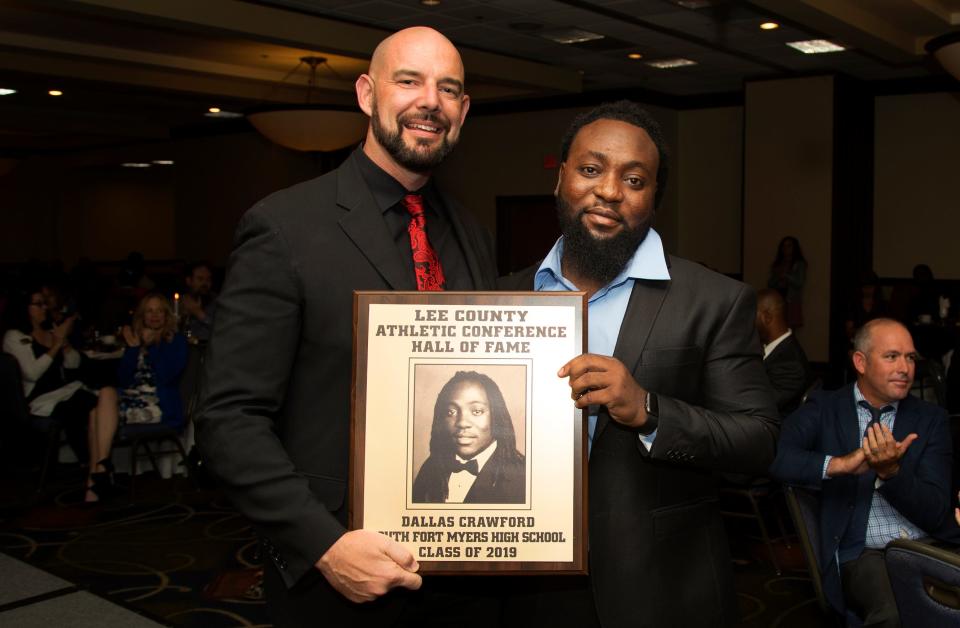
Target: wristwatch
652	406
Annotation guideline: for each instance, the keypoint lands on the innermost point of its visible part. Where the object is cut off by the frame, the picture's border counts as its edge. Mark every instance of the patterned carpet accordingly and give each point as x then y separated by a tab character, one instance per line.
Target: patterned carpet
183	557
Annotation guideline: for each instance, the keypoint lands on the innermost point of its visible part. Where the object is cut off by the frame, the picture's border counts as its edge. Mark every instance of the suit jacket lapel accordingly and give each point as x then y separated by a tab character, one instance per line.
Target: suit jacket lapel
364	225
848	424
906	421
646	299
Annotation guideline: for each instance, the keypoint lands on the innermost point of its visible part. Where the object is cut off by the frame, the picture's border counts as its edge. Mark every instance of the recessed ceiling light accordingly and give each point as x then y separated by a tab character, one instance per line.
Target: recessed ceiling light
815	46
55	92
665	64
135	164
6	92
222	114
570	35
769	26
163	162
635	55
429	3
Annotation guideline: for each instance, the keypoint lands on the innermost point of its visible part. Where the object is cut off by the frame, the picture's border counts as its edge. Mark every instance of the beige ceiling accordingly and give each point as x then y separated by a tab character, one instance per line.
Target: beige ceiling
137	69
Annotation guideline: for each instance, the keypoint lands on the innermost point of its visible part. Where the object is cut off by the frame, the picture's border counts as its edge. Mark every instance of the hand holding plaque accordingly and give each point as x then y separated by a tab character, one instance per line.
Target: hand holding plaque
363	565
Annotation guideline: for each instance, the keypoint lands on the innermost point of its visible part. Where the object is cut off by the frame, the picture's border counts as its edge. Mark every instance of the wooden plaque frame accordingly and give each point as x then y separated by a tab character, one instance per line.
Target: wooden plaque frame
407	346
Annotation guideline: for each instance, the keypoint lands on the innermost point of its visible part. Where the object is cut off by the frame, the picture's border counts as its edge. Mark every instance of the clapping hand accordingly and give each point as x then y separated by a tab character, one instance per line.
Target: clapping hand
129	337
882	451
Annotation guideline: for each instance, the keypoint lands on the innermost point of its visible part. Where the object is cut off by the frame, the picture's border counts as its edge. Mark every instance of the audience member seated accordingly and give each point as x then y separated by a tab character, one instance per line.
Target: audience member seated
199	302
881	460
151	366
88	417
783	357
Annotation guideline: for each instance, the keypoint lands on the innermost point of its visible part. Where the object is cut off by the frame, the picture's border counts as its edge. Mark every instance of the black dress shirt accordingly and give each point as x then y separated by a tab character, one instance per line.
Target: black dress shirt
388	193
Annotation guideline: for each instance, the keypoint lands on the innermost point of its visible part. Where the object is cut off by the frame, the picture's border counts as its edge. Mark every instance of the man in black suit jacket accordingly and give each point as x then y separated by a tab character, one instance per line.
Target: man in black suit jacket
473	453
876	483
673	384
783	357
275	417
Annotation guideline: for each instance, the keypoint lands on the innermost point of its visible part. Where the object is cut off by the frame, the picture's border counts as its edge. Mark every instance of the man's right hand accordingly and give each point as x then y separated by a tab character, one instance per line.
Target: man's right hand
363	565
854	463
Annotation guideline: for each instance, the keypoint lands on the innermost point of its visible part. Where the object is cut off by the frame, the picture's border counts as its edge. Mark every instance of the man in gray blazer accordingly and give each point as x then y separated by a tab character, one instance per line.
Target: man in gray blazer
673	385
274	422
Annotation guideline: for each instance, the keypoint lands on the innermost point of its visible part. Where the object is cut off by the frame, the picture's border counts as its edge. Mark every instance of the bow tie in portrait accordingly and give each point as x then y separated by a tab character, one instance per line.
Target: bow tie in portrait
470	466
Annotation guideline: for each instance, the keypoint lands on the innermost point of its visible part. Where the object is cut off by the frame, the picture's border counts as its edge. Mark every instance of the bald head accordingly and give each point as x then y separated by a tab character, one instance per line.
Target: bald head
419	41
771	315
415	98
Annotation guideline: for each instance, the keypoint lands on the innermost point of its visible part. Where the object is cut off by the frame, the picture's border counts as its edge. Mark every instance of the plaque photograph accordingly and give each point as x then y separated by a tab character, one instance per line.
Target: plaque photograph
466	446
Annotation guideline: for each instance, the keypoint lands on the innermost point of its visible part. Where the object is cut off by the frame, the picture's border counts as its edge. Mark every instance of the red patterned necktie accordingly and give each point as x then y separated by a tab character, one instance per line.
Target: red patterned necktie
426	264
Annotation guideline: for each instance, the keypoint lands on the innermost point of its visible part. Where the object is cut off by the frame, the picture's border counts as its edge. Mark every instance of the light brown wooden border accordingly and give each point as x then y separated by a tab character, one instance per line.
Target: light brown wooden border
361	302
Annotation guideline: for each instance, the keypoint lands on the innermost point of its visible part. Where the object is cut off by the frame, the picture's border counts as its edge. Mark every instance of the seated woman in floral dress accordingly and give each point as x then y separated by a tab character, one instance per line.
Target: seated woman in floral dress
150	370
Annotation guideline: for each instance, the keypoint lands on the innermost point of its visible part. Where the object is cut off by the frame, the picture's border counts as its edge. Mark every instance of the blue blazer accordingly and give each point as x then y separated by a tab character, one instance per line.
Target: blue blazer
827	424
168	360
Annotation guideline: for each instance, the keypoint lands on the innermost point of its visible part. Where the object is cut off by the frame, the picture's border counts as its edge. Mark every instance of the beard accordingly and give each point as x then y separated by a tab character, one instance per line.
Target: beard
420	161
597	259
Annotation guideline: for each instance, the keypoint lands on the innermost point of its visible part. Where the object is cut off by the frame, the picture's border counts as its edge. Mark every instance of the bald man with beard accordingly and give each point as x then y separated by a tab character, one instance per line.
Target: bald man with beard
274	422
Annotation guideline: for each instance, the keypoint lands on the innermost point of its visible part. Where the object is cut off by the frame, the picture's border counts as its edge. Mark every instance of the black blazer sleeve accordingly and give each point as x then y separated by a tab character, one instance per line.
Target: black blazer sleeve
248	365
799	458
733	425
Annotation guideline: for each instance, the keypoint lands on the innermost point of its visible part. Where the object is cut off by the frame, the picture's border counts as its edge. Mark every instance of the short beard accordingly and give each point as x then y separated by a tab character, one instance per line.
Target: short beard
596	259
413	160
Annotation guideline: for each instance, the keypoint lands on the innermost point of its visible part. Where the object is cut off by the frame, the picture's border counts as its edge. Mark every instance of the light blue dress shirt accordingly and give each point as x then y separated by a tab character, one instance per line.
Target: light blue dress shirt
608	305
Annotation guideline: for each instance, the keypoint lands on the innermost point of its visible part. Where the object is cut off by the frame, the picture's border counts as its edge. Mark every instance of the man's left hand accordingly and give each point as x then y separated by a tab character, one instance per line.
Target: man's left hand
605	381
883	452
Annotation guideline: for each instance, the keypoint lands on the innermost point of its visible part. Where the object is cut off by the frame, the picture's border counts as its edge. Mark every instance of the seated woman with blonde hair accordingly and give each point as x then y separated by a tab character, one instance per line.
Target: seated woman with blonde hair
150	369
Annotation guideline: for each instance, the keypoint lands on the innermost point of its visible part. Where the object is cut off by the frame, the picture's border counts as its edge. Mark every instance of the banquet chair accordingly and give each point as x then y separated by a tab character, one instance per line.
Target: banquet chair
804	508
17	415
152	441
926	583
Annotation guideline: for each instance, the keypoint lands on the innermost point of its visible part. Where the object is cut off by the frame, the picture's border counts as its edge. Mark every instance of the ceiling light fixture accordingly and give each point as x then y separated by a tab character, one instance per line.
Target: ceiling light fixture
815	46
162	162
666	64
635	55
310	127
135	164
220	113
430	3
769	26
55	92
213	110
6	92
570	35
946	49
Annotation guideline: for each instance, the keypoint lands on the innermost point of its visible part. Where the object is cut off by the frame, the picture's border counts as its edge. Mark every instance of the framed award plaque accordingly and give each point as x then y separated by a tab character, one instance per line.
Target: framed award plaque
466	446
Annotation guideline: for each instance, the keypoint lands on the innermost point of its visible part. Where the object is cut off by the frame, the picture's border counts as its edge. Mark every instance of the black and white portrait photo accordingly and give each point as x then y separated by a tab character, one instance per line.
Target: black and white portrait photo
474	455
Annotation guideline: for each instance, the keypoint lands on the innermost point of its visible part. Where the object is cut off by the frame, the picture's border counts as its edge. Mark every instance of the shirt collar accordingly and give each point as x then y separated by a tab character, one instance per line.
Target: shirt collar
387	191
858	397
647	262
768	348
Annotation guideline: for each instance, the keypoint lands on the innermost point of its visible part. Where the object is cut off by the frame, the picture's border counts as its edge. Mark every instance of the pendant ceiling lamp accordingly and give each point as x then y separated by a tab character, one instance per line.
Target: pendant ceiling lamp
946	48
310	127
